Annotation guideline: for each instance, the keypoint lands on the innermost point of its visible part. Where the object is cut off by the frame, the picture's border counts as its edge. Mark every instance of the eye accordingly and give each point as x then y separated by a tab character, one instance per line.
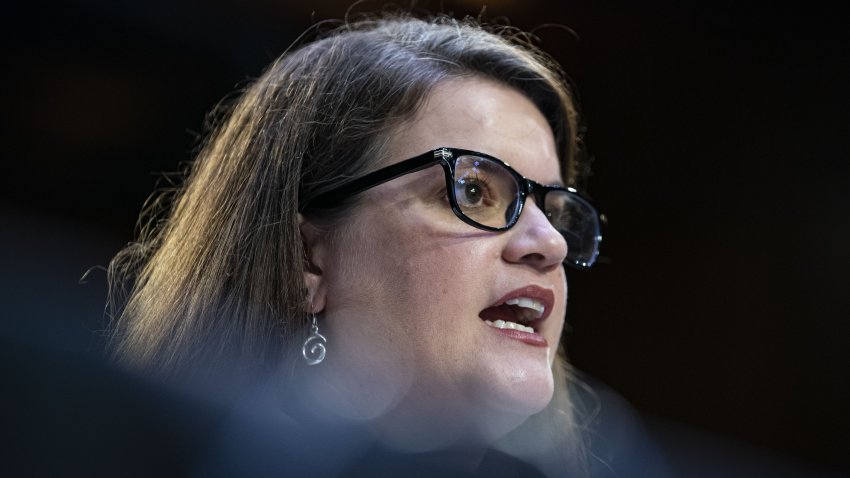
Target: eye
472	192
485	190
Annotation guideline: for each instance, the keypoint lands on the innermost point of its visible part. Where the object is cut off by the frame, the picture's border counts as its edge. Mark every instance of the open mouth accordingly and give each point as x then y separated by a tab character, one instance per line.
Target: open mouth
519	311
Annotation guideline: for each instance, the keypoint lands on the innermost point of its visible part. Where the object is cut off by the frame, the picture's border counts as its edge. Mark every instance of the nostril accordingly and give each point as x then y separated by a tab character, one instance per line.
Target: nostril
542	262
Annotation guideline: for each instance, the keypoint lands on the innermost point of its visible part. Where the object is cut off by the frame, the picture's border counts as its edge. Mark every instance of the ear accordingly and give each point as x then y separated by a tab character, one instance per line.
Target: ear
315	256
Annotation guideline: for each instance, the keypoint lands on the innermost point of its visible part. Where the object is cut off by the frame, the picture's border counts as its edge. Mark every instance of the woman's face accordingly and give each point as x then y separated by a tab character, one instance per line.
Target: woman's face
403	289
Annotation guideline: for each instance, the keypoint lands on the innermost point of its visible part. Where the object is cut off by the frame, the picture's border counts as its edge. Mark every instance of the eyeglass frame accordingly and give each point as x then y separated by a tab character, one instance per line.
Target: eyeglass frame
443	155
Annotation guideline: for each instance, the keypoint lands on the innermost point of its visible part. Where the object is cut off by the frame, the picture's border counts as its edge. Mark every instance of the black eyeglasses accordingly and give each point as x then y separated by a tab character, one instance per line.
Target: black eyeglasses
486	193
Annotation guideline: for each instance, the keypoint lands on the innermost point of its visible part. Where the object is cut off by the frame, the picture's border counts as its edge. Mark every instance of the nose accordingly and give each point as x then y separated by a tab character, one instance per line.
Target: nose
534	242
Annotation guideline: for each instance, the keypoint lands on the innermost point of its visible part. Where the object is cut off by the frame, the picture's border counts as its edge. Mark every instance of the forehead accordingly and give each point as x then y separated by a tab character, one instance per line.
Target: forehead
481	115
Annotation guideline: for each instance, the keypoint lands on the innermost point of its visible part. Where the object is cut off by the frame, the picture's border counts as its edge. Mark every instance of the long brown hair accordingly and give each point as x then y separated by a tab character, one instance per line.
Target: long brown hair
219	277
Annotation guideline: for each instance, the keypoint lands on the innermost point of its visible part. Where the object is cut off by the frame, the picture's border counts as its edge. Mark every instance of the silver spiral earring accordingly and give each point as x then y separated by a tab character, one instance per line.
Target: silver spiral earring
314	348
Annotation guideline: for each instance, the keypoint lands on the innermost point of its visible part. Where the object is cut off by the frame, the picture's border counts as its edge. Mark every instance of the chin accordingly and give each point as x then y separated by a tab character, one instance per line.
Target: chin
493	410
508	400
516	384
524	394
512	409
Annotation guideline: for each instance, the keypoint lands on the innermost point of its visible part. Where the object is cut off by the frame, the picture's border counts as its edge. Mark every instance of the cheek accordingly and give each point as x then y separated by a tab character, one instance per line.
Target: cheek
411	280
378	276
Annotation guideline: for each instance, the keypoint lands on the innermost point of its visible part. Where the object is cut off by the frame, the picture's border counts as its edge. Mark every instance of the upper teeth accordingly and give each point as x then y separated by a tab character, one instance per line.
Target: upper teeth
528	303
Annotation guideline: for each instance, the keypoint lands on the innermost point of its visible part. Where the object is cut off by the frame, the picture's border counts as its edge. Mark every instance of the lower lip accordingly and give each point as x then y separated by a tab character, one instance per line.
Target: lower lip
536	340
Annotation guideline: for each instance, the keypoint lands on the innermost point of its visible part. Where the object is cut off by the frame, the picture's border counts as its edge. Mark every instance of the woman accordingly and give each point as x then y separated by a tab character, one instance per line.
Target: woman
356	212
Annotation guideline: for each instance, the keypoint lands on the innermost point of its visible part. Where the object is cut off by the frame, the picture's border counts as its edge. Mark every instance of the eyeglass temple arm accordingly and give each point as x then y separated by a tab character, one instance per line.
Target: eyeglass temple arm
335	196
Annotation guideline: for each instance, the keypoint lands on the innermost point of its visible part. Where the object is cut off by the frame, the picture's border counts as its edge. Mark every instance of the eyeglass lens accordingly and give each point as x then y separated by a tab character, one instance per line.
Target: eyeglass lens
485	191
488	194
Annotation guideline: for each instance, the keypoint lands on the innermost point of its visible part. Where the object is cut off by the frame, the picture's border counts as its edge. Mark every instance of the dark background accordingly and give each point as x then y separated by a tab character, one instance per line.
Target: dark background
721	134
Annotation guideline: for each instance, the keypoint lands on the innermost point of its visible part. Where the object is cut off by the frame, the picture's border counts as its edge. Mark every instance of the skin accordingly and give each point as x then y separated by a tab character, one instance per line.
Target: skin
399	288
